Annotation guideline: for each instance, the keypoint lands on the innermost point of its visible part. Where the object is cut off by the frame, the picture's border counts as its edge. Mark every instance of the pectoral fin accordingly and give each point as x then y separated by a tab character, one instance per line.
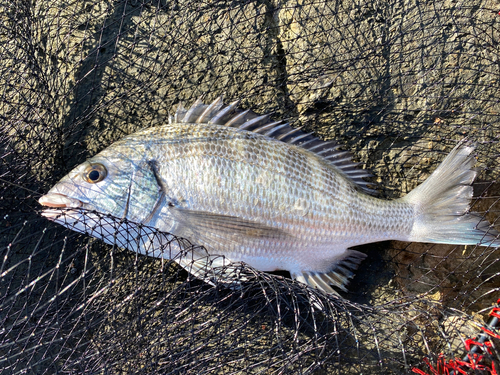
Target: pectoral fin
211	229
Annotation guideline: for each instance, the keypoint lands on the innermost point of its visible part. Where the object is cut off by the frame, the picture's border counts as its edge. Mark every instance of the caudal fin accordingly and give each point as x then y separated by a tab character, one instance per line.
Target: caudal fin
442	203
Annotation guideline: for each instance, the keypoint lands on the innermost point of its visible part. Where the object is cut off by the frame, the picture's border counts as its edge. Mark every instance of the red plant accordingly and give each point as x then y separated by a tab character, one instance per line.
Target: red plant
473	361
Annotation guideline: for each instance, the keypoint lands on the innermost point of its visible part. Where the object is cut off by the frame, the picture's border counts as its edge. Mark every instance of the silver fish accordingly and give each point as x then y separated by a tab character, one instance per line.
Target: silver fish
259	192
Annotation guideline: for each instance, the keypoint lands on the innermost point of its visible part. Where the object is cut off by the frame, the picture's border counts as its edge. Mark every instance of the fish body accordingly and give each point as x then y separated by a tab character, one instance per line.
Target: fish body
262	193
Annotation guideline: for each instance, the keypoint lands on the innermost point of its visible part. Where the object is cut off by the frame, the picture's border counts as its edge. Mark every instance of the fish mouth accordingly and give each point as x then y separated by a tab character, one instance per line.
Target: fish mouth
59	201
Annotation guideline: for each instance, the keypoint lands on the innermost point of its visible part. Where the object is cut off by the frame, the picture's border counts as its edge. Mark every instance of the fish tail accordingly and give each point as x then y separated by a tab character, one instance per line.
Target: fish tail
441	204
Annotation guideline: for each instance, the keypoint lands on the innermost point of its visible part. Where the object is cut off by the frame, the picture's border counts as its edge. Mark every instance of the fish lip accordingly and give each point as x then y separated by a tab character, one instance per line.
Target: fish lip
59	201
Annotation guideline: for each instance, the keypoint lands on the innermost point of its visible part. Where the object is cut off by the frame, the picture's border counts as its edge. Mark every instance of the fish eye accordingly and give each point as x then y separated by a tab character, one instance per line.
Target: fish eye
95	173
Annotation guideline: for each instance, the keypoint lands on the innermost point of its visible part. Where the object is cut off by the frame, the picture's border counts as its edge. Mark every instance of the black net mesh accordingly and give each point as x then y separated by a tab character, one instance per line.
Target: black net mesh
398	83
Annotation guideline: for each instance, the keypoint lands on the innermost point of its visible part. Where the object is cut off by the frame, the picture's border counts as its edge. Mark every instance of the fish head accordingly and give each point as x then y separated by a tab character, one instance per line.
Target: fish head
121	185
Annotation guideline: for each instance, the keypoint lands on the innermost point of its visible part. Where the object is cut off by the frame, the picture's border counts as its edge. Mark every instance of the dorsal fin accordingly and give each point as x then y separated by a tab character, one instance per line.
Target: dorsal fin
218	113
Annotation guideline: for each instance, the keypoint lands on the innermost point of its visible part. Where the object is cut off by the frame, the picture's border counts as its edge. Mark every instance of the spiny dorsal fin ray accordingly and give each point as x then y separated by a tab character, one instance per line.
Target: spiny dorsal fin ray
211	110
224	113
218	113
194	112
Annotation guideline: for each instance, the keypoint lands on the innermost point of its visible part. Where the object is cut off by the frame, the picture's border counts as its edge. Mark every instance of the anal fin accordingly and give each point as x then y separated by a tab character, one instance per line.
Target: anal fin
339	275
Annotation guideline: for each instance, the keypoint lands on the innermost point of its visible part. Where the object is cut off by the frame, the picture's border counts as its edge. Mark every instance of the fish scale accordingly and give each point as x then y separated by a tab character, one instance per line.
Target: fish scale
262	193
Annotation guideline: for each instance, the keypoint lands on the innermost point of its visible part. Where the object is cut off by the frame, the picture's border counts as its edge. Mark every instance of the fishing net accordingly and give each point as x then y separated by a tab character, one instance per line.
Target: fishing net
397	83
